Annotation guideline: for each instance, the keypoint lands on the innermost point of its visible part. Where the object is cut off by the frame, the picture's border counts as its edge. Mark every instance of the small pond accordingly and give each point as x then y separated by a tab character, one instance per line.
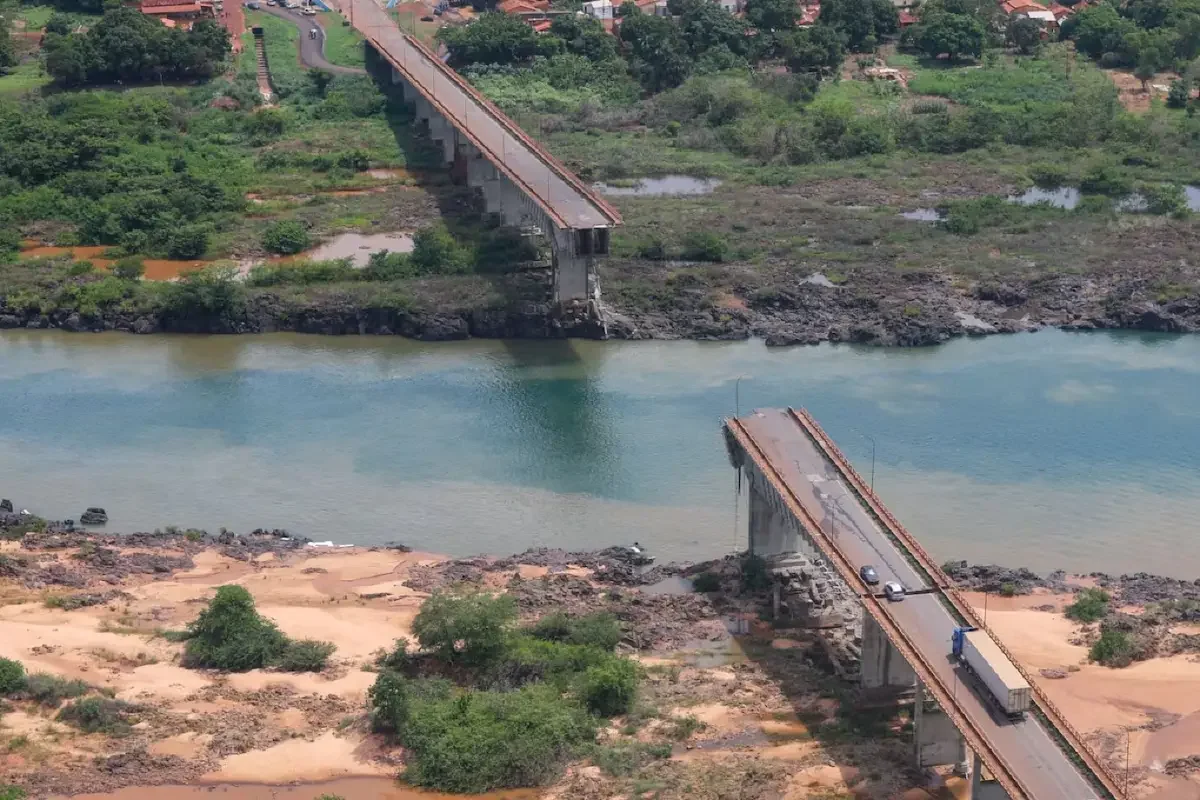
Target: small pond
1060	197
664	185
358	247
923	215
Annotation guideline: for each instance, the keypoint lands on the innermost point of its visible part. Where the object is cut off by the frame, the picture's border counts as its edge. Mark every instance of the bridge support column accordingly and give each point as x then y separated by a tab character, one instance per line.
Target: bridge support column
982	786
770	533
882	663
936	741
570	270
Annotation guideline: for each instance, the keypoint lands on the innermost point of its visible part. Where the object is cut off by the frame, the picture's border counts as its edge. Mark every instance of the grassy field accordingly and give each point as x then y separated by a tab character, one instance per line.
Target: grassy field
343	44
23	78
282	40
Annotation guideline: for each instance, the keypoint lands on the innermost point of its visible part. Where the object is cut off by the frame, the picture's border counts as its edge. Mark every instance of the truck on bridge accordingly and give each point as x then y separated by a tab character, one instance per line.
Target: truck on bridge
982	656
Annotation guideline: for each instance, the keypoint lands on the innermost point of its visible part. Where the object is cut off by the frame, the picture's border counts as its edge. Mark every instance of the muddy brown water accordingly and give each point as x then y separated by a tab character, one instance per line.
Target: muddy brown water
348	788
157	269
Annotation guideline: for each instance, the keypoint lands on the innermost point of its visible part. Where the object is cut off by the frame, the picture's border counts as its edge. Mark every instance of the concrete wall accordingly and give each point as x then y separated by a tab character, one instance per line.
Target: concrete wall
981	787
882	664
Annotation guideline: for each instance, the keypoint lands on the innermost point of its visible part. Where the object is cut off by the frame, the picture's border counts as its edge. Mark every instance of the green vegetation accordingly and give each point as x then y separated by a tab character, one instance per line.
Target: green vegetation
343	44
129	46
706	582
470	628
51	690
98	715
1090	605
599	630
543	687
1114	648
12	676
286	237
755	575
231	635
9	792
479	741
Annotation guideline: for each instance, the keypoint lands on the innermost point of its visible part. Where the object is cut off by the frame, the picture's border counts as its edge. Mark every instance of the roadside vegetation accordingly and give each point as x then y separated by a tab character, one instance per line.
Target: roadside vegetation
483	704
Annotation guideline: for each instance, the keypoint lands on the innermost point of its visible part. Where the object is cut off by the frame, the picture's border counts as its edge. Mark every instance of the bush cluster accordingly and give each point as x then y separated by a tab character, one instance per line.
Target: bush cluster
231	635
98	715
12	676
542	682
1090	605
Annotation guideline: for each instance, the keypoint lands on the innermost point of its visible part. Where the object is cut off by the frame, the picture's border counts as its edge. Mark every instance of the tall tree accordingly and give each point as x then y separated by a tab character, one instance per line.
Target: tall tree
659	56
1025	34
955	35
8	53
861	22
818	49
772	15
493	38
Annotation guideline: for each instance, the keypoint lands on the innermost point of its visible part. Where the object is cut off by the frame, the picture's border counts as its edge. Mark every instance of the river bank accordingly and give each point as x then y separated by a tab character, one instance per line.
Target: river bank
877	307
758	710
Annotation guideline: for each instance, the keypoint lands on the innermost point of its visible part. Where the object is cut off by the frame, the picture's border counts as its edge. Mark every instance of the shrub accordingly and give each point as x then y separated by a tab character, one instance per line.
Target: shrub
755	577
51	690
526	659
1113	649
1090	605
625	758
609	689
480	741
436	252
286	237
12	676
210	292
305	655
1168	198
470	627
389	700
230	634
1008	590
97	715
1105	179
188	241
129	269
596	630
1047	174
10	792
385	265
706	582
1179	93
705	246
930	107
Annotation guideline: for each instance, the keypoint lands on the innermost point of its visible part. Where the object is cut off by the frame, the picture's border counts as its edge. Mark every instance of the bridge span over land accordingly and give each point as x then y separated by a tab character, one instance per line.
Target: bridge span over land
806	498
518	178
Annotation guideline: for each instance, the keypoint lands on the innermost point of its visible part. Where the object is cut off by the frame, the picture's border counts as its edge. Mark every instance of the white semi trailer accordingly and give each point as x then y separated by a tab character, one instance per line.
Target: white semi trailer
981	655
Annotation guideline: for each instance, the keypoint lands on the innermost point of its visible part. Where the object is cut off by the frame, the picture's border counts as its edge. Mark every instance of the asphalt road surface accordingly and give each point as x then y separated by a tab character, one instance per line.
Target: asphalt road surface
1027	747
312	51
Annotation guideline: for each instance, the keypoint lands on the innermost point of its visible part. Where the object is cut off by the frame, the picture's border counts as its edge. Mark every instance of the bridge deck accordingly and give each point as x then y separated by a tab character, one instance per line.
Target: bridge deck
1041	767
570	202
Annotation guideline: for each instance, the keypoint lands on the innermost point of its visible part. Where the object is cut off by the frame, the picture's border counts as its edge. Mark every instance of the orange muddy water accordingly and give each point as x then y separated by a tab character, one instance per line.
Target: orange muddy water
157	269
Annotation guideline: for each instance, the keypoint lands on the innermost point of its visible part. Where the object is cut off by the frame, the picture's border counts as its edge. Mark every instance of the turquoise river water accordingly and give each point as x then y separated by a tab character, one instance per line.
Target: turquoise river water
1078	450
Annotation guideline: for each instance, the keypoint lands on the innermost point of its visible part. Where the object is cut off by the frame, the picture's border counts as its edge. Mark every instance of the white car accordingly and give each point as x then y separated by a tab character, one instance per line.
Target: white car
893	591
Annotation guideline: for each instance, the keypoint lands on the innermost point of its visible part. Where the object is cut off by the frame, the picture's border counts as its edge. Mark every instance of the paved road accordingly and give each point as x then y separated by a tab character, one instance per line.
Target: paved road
1040	765
568	202
312	51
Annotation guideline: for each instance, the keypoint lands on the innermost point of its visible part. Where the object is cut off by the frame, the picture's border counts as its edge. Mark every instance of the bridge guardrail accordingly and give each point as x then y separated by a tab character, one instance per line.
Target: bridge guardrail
987	751
946	586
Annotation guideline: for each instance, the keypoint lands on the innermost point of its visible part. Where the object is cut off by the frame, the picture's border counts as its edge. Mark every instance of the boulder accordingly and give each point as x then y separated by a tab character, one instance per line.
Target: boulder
93	516
6	505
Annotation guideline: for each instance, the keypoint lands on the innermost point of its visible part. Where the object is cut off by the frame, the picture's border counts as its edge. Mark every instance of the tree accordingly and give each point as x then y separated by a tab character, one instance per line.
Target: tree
1179	93
705	25
230	634
493	38
471	627
188	241
58	23
8	52
1099	29
436	252
953	34
772	15
862	22
818	49
1025	34
1144	71
659	56
585	36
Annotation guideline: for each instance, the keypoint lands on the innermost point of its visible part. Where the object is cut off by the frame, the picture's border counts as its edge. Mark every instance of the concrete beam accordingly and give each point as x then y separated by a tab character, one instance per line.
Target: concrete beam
770	533
882	663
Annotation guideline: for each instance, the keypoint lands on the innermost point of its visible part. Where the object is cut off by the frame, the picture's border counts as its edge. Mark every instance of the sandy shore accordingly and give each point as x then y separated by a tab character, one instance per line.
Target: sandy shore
265	734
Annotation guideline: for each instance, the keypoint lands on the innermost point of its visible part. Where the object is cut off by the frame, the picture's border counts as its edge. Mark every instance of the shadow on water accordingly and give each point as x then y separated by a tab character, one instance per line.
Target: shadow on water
552	400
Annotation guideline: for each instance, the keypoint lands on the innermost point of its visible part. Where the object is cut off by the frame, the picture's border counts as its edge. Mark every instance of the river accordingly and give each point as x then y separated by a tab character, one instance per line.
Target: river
1073	450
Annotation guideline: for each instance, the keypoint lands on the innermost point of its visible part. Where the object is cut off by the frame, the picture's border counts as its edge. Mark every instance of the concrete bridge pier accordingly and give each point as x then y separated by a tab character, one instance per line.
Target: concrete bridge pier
882	664
983	786
936	740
